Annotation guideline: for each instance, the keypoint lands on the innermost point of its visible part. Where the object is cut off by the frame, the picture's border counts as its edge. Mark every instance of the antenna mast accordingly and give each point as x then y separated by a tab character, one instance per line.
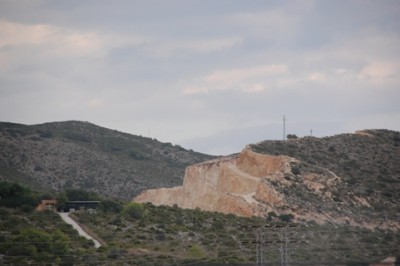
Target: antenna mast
284	127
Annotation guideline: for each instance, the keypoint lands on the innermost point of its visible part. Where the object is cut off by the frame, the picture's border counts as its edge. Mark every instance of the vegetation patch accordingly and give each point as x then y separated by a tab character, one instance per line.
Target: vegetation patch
144	234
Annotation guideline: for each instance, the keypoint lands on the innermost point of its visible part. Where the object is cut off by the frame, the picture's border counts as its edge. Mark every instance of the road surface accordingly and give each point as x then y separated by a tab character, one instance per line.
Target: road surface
69	220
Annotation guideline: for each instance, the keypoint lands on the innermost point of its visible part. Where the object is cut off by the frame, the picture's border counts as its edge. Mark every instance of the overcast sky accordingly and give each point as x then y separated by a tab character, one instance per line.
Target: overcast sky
211	76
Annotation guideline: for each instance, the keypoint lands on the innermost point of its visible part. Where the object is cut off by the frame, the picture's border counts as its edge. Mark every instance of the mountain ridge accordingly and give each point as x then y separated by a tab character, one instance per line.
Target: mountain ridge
75	154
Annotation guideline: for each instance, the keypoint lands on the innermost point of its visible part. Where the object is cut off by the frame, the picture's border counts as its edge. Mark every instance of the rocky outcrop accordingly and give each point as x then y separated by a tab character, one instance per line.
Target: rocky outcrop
255	184
238	185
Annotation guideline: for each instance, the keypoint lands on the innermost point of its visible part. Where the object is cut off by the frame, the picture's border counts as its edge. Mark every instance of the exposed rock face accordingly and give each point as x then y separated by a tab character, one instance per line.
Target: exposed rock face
258	184
236	185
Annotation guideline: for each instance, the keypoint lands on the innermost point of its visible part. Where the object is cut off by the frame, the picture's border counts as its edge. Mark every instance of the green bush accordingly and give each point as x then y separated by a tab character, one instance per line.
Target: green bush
39	245
137	155
291	136
195	251
13	195
112	206
80	194
134	210
287	218
295	169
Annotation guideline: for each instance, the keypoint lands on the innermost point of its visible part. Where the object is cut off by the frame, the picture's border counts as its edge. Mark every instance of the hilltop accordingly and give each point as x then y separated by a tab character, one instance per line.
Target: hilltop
74	154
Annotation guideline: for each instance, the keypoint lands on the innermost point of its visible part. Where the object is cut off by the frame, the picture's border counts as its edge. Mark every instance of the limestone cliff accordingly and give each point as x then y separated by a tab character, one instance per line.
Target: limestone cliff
238	184
252	183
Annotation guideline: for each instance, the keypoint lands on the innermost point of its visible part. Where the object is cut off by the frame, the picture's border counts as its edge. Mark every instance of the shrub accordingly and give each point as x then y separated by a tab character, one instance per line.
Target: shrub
44	133
80	194
271	216
137	155
296	169
196	251
286	217
110	206
14	195
39	244
217	224
134	210
75	136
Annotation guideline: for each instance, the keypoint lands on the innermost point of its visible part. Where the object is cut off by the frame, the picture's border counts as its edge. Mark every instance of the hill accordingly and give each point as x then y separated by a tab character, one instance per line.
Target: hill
346	179
367	164
343	179
74	154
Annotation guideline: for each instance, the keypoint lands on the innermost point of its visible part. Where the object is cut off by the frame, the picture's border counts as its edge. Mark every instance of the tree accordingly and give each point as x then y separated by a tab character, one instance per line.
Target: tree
61	200
59	243
39	245
14	195
108	205
291	136
80	194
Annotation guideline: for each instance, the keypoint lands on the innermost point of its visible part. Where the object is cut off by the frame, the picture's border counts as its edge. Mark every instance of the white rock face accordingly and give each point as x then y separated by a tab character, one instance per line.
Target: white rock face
229	185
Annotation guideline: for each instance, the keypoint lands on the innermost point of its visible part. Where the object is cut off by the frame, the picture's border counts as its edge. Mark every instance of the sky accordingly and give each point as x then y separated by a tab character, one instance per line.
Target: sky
211	76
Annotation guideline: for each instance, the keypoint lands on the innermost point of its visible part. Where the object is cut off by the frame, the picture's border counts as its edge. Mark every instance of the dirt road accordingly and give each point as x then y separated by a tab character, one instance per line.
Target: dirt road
81	232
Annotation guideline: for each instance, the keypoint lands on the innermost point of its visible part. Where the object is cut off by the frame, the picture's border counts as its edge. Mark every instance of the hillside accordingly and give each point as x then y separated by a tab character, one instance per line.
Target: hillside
366	163
73	154
348	179
162	235
344	179
144	234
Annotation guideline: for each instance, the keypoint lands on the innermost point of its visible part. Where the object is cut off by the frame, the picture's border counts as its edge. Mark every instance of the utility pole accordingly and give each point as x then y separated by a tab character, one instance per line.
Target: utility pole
281	248
284	128
284	247
258	248
311	132
192	210
260	260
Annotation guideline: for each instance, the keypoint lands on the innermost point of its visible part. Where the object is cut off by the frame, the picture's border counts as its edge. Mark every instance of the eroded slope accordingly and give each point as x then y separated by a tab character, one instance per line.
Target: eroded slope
253	183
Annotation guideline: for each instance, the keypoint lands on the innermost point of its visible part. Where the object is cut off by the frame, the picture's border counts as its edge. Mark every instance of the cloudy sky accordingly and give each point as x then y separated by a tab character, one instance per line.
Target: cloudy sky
212	76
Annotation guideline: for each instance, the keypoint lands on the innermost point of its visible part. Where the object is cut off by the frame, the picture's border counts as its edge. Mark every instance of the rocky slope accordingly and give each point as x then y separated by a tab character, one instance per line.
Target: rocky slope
75	154
230	185
346	179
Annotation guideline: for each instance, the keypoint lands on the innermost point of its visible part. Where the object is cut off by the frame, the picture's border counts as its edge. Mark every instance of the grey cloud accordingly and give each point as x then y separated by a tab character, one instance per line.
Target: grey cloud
210	75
